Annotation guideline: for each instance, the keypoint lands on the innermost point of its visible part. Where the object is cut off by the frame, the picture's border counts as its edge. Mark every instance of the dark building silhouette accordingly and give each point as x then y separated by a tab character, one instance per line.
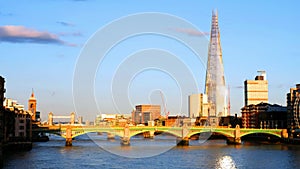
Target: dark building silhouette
230	121
293	108
265	116
2	91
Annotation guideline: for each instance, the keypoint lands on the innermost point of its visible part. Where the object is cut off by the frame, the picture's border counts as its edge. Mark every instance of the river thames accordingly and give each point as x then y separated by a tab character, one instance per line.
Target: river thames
86	153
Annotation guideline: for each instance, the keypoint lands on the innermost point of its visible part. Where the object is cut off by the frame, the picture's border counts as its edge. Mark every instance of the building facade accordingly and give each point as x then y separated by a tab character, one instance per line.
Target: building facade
256	91
2	90
293	108
32	106
145	113
2	126
264	116
18	122
198	105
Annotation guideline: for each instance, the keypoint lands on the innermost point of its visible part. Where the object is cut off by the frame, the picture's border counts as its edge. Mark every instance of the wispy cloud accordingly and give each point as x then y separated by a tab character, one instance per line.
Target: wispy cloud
238	87
70	34
5	14
191	32
65	23
21	34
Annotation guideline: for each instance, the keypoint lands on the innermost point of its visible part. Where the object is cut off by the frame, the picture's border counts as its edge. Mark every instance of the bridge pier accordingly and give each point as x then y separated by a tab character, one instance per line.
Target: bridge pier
125	141
284	134
69	136
182	141
235	141
148	134
237	137
110	136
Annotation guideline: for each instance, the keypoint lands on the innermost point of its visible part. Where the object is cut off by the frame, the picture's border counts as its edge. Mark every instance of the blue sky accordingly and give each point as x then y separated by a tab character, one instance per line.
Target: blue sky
40	42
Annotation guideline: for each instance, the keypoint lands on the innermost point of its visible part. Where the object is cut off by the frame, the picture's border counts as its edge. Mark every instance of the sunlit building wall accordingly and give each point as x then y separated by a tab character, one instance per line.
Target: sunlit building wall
145	113
256	91
198	105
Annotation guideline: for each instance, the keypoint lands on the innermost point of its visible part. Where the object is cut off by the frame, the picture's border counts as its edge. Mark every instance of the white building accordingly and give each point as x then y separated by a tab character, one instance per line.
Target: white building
12	104
198	105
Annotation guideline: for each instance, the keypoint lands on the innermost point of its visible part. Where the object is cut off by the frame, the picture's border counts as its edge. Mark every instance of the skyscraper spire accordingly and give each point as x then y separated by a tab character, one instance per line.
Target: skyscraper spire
215	81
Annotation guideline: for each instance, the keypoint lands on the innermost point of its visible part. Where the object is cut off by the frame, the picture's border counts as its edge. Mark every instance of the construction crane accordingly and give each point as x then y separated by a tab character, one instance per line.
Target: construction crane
164	104
228	106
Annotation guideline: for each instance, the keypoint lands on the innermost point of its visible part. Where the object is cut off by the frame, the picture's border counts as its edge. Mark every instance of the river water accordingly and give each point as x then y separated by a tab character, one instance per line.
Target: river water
160	152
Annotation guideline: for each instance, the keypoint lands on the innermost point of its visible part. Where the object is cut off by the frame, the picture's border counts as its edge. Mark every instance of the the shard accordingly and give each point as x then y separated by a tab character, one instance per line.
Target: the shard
215	81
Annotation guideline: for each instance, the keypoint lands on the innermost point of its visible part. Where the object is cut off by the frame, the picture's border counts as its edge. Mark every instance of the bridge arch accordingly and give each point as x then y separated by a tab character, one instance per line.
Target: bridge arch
79	133
262	132
226	134
57	134
173	133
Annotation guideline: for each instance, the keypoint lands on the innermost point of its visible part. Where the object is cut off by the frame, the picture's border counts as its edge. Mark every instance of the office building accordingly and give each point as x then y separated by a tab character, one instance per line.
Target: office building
256	91
145	113
198	105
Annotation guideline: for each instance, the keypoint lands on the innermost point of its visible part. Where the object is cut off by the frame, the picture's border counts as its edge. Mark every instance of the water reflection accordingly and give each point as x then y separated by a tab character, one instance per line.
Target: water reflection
212	154
225	162
139	147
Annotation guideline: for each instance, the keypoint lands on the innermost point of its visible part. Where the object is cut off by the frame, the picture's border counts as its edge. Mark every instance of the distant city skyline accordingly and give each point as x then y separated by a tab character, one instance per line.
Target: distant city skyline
40	43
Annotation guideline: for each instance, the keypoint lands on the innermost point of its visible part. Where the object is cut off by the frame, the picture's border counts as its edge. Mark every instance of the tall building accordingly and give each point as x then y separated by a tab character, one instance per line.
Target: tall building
293	108
256	91
145	113
198	105
32	106
215	88
2	90
2	125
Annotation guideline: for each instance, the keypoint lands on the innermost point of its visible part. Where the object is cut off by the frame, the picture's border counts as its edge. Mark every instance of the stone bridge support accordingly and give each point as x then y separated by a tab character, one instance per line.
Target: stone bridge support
125	140
149	134
284	134
184	140
110	136
237	136
69	136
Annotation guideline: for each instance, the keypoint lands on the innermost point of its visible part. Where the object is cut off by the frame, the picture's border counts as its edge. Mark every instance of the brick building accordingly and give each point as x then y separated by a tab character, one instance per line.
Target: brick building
264	115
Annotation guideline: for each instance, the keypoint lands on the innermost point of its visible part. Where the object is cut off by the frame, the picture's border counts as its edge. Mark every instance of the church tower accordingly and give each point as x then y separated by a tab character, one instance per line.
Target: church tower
215	81
32	106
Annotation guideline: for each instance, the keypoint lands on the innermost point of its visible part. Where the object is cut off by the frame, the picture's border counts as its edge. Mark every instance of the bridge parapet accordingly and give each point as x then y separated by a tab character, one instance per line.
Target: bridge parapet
182	133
